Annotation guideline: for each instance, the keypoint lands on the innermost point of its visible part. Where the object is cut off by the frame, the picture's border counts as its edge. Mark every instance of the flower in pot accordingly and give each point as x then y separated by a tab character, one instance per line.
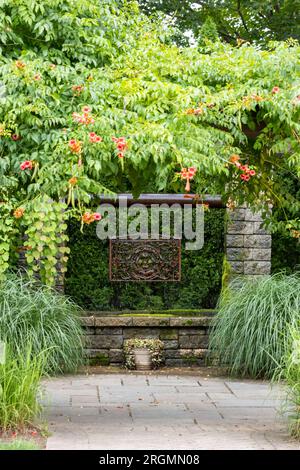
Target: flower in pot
142	359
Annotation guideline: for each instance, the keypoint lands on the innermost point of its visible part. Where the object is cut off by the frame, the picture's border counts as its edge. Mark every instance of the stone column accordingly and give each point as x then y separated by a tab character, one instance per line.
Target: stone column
247	244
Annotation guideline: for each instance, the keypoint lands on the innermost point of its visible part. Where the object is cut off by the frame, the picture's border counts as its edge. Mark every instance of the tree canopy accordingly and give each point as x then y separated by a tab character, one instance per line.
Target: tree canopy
94	99
250	20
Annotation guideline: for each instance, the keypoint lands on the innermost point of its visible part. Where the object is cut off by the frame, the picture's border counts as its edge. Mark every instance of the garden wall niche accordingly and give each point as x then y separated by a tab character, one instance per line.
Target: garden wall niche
184	331
185	335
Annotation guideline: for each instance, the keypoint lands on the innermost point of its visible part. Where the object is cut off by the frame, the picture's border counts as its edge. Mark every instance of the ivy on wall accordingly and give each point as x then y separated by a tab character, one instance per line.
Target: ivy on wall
87	278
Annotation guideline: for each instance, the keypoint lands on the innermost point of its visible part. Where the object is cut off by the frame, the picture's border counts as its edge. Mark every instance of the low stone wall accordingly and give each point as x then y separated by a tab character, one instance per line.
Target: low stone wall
185	337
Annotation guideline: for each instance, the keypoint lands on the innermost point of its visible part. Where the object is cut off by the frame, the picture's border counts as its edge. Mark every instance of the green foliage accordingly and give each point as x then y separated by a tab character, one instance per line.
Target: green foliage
18	445
87	277
20	377
6	231
251	333
45	238
286	250
289	371
43	318
155	346
285	254
208	32
251	20
58	56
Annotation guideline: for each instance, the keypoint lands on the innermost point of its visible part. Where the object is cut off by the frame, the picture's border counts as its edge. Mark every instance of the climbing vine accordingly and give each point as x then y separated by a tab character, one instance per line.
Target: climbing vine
46	237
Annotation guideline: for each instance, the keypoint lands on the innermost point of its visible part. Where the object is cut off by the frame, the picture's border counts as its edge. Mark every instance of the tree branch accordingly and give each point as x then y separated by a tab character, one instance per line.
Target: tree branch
241	15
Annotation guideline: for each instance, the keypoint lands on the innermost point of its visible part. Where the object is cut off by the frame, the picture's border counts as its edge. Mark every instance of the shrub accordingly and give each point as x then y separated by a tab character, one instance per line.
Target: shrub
289	371
155	346
20	377
31	313
251	329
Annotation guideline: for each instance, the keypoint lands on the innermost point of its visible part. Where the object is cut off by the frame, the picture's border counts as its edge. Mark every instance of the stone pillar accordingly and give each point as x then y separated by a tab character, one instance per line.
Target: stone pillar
247	244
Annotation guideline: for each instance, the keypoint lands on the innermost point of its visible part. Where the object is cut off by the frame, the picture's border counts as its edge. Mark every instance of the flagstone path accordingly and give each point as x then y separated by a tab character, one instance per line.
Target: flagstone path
132	411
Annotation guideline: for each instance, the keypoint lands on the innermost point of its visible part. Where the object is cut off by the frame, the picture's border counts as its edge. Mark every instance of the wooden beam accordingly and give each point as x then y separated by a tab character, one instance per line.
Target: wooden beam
148	199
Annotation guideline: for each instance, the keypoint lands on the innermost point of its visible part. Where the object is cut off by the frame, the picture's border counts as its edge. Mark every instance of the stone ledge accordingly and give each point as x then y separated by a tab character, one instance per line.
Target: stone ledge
142	322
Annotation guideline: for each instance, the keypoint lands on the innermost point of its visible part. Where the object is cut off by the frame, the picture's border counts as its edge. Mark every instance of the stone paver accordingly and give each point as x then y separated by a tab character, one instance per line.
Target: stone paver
132	411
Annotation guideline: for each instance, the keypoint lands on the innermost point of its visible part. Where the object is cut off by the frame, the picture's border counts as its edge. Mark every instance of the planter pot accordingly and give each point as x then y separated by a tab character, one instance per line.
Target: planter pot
142	359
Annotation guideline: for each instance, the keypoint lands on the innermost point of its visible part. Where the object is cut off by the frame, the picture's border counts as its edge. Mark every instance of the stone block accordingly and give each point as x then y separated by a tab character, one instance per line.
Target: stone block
89	330
257	267
237	267
193	341
237	214
252	216
201	353
234	241
258	229
172	354
116	356
105	341
257	241
189	354
141	333
260	254
116	320
171	344
248	254
237	254
174	362
108	331
193	331
240	228
98	357
184	356
168	334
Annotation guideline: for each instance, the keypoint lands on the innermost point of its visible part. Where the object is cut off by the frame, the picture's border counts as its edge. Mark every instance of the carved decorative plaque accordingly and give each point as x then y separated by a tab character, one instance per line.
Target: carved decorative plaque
144	260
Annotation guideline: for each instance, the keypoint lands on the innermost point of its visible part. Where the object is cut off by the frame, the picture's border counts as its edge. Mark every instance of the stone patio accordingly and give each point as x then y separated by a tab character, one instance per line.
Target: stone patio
137	411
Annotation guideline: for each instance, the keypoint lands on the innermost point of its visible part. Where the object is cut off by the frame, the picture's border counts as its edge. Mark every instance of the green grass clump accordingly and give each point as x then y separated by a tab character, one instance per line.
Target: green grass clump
20	377
251	332
34	314
18	445
289	372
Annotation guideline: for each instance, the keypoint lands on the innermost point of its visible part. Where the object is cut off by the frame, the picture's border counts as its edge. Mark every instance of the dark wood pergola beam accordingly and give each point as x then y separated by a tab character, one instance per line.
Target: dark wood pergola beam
148	199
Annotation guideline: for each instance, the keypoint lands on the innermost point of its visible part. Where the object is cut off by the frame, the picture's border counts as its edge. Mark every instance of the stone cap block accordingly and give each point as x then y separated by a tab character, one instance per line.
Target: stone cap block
150	321
113	321
87	321
191	321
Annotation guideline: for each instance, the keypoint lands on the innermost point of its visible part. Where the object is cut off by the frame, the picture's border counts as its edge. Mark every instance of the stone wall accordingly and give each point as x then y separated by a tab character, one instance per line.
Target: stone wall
185	338
248	245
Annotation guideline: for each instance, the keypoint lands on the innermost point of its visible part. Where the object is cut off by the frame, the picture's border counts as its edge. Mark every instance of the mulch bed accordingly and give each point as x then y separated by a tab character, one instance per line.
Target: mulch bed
199	371
32	434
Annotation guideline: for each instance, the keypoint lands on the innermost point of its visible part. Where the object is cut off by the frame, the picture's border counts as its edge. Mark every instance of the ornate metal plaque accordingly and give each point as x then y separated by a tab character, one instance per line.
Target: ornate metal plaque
144	260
